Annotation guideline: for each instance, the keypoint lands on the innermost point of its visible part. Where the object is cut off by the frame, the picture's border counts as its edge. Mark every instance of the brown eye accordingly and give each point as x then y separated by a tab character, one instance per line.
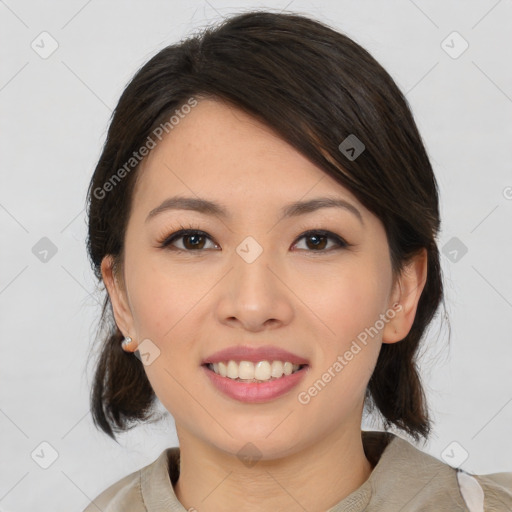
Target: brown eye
192	240
318	240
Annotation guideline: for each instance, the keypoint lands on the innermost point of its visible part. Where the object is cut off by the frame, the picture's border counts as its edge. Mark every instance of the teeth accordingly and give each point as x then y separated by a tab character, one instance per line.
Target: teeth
232	370
248	371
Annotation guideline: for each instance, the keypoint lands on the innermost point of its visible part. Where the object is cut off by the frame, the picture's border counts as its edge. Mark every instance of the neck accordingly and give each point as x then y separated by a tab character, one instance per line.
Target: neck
314	478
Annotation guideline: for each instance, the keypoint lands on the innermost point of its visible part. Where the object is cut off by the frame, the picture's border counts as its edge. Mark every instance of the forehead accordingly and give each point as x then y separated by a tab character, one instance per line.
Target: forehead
219	151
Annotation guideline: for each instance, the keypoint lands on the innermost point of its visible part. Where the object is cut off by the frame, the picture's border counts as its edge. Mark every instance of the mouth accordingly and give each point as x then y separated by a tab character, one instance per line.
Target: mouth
249	372
263	382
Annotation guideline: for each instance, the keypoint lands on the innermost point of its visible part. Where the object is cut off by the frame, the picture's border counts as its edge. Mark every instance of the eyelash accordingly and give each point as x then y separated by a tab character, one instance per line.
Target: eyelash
166	241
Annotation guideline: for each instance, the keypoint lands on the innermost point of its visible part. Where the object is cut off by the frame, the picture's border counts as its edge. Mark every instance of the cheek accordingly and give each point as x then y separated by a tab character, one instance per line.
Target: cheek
161	295
348	345
345	299
164	303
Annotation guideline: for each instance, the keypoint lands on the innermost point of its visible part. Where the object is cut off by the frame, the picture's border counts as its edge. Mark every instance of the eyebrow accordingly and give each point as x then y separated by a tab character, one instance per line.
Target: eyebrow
295	209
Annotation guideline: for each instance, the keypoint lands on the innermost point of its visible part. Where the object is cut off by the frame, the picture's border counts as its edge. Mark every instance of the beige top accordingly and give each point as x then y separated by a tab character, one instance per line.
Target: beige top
403	479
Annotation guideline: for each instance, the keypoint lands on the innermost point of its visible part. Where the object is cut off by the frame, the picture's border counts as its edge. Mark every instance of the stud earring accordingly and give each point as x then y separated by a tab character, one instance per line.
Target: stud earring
127	340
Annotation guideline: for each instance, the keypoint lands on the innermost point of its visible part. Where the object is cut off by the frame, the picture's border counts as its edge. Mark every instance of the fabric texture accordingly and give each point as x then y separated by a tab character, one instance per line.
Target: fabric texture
471	491
403	479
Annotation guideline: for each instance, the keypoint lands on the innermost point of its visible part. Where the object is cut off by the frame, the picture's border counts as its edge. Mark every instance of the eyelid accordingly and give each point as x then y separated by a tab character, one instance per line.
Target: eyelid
305	228
165	240
342	243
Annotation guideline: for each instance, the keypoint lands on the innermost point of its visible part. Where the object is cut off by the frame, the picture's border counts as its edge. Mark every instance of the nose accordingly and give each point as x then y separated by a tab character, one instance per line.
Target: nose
254	295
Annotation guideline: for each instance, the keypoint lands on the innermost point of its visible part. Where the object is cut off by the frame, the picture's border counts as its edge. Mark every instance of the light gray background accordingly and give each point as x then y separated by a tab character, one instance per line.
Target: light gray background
54	116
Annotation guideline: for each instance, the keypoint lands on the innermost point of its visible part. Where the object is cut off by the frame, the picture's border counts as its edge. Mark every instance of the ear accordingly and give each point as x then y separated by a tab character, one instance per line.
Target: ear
118	297
407	291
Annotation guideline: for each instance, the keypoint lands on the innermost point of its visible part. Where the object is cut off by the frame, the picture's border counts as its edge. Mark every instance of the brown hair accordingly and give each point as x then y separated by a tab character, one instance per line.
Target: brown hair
314	86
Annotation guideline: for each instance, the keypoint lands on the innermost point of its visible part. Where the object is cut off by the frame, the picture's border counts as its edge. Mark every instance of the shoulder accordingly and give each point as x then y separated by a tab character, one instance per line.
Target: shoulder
406	476
127	493
124	494
486	492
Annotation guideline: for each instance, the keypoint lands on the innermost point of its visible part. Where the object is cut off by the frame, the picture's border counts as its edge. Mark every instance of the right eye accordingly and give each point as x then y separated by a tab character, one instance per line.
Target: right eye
193	240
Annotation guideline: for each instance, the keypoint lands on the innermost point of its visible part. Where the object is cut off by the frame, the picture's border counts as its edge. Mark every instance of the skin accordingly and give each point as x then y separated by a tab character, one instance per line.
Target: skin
312	302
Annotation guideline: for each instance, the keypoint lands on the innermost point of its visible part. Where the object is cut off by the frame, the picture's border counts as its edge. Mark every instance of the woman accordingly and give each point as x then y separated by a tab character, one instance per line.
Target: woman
264	218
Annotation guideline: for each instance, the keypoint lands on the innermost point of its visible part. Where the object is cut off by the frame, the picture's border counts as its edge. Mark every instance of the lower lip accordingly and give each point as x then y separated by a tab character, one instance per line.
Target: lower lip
255	392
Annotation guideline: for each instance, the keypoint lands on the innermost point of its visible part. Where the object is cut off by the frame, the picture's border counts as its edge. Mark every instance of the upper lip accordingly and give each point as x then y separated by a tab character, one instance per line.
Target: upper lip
254	354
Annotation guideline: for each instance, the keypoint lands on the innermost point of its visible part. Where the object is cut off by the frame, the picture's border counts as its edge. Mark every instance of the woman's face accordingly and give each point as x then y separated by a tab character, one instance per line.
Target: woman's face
253	278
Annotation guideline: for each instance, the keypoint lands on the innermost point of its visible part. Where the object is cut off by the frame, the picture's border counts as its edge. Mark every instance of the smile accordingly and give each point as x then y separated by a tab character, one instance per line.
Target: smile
253	389
254	372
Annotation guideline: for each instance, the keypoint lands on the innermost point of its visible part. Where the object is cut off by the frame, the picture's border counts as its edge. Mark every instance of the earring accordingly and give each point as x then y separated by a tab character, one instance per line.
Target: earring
127	340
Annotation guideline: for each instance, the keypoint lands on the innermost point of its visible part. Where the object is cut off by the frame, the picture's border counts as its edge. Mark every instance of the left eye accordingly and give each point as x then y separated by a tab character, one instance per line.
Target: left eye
319	239
193	240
